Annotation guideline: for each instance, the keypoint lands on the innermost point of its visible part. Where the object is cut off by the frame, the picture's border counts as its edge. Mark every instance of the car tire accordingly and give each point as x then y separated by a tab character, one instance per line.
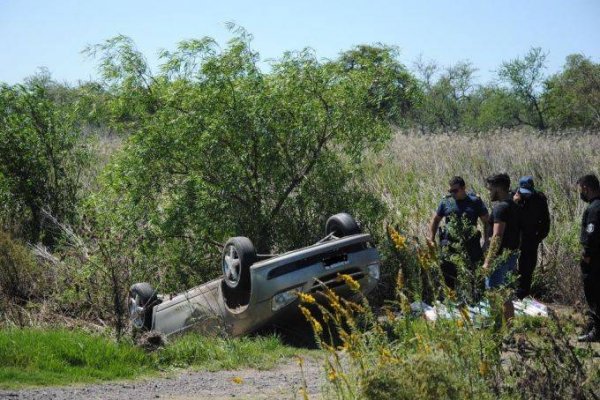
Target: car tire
238	256
341	225
141	295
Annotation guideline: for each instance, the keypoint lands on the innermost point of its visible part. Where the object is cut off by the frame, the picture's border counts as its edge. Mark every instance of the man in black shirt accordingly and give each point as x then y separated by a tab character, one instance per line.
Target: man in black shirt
535	225
505	238
589	191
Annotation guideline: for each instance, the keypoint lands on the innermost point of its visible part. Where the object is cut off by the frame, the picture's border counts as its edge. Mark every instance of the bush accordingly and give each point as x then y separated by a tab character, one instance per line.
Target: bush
459	355
423	376
21	278
41	158
225	149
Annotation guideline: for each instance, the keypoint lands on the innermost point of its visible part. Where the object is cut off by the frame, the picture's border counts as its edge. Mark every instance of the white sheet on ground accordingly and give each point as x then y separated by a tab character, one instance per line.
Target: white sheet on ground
527	306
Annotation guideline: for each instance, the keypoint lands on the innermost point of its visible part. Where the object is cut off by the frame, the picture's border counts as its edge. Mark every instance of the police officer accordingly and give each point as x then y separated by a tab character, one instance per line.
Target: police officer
535	225
461	209
589	191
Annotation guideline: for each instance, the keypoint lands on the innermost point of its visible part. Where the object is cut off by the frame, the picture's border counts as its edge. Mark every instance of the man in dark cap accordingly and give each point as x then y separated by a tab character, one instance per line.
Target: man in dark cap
461	210
589	191
535	225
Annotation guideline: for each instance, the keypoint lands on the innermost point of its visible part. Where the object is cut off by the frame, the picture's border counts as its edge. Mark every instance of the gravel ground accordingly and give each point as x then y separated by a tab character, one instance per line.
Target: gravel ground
283	382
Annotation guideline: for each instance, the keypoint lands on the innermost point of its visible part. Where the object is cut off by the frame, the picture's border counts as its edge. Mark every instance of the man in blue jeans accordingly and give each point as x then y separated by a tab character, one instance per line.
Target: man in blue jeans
505	238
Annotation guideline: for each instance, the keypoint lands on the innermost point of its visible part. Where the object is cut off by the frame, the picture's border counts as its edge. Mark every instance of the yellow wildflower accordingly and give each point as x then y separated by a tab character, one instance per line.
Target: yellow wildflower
398	240
386	353
389	314
356	307
484	368
400	280
354	285
426	257
304	393
306	298
464	312
237	380
316	325
332	375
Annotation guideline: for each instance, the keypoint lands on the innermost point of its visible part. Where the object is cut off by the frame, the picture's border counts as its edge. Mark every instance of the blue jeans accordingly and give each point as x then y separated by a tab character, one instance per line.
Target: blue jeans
502	272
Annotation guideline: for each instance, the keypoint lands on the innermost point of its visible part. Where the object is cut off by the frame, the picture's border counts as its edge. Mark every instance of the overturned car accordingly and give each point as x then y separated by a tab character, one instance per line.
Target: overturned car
255	289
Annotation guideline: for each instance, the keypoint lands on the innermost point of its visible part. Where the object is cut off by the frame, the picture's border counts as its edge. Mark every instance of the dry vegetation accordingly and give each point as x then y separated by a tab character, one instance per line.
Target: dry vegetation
411	175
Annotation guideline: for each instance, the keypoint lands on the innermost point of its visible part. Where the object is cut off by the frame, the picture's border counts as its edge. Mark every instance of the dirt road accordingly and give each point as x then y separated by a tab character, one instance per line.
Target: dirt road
283	382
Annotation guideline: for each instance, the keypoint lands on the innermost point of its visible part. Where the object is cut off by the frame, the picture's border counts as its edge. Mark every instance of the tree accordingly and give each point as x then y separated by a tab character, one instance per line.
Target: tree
525	78
572	96
231	150
131	84
394	92
497	107
447	101
425	70
41	157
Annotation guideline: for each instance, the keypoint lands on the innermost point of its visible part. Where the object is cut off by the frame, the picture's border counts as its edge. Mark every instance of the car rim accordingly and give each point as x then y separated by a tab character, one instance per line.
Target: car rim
231	266
136	312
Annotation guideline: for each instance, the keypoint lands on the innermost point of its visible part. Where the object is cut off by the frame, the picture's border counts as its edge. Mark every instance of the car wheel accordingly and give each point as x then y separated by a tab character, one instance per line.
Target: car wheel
142	297
341	225
238	255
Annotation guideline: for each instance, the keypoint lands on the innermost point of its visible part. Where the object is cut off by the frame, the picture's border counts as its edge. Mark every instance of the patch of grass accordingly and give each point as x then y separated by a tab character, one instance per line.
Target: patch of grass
32	357
36	357
261	352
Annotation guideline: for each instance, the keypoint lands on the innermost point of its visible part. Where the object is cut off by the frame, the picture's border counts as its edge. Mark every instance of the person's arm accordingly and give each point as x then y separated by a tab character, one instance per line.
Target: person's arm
484	217
433	227
485	220
495	242
591	240
544	220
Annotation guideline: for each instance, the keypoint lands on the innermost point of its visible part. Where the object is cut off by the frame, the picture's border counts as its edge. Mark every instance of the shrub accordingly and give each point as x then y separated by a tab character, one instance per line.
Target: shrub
423	376
41	158
225	149
21	278
458	355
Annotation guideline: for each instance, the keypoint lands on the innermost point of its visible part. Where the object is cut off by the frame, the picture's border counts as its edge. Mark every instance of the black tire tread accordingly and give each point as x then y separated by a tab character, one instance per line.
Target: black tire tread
148	297
343	224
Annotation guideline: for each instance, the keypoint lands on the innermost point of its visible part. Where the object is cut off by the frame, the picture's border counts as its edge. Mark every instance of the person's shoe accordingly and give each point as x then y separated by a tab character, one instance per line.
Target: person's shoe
591	336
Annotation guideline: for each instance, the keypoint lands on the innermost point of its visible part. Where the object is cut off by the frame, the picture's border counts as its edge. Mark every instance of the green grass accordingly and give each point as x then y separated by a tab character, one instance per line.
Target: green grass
35	357
225	354
54	357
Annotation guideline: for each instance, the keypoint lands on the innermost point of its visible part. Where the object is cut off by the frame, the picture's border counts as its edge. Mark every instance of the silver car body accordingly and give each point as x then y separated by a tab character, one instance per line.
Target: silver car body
214	307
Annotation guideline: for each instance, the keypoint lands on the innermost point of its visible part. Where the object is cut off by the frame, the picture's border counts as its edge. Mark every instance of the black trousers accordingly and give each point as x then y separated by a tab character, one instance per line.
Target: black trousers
527	263
591	288
449	270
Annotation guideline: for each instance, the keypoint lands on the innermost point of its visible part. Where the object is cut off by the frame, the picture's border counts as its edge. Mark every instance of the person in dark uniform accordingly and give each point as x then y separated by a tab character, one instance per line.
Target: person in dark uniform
589	191
461	209
535	226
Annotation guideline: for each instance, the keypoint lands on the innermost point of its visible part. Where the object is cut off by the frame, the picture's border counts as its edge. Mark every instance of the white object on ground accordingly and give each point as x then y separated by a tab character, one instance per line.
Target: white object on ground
527	306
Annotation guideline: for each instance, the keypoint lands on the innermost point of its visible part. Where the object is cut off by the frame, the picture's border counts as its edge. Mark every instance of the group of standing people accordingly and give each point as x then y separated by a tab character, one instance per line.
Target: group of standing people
507	240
